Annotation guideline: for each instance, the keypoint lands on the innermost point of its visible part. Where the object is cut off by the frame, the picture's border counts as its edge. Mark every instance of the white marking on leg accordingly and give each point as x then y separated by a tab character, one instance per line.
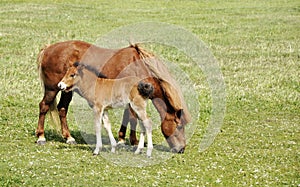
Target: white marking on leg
107	126
120	142
148	126
142	139
70	140
41	139
98	120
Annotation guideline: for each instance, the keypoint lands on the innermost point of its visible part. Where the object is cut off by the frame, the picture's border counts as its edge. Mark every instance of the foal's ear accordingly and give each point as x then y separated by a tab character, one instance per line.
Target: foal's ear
78	65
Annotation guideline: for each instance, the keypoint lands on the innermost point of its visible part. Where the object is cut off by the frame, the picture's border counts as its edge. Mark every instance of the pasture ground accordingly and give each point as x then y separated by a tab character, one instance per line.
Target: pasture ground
257	46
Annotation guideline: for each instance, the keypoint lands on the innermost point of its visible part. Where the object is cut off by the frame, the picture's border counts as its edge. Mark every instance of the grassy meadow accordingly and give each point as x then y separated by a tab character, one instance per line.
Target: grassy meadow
257	47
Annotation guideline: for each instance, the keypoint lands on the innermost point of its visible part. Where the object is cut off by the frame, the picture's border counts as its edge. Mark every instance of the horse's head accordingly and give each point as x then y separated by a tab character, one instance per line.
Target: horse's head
71	78
173	131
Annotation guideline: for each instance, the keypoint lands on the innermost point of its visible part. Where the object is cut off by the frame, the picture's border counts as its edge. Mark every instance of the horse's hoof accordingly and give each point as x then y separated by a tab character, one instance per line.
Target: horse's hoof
71	141
121	142
41	141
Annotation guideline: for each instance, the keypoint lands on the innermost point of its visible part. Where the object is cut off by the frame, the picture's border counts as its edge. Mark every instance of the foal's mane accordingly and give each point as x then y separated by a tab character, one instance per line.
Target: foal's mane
90	68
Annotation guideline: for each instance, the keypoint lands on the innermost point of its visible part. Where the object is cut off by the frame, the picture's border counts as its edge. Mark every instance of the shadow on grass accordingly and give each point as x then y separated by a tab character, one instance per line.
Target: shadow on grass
86	141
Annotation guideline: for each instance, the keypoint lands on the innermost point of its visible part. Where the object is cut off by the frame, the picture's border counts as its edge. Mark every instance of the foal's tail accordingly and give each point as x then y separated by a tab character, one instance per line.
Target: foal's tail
53	112
145	89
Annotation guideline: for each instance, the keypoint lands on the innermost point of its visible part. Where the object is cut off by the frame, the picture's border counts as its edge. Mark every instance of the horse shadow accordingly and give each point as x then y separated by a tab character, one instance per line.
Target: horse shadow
86	141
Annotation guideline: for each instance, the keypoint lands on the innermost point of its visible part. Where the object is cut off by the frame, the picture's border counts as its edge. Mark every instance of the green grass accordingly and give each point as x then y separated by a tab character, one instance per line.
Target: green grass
257	46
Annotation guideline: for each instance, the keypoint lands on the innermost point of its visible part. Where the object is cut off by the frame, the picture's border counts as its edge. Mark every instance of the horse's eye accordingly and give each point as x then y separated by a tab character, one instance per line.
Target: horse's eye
73	75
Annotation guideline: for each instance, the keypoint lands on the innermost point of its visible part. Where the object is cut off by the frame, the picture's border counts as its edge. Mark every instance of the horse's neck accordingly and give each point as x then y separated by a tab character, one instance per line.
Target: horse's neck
86	86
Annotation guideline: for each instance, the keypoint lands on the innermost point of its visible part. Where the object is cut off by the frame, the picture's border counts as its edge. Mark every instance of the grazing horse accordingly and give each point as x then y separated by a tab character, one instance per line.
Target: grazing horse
103	94
55	60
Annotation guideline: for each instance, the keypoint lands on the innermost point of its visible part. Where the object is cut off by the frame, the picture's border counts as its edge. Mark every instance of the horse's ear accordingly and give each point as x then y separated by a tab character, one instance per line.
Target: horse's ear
178	115
174	99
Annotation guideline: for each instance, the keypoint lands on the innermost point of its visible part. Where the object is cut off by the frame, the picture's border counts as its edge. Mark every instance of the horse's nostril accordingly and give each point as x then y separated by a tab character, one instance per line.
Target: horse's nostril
181	151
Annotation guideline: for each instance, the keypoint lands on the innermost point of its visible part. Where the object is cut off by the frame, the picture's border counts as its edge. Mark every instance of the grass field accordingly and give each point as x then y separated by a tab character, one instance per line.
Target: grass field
257	45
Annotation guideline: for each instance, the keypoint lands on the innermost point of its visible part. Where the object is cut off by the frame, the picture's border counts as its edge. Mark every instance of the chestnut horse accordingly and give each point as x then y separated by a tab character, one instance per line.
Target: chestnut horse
55	60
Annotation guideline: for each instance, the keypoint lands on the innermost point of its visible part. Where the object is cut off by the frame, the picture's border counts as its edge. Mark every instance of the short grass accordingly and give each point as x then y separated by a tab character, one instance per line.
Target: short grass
257	46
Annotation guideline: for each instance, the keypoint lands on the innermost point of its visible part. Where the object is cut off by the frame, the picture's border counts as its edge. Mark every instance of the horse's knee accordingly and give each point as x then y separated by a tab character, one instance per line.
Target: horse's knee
62	112
44	108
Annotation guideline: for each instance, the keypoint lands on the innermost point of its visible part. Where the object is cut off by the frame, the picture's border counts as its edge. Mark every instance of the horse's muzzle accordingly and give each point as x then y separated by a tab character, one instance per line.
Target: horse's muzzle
179	151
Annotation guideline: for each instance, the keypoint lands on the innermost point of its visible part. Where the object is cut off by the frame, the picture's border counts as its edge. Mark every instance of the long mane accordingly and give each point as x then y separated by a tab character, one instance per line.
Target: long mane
91	69
169	86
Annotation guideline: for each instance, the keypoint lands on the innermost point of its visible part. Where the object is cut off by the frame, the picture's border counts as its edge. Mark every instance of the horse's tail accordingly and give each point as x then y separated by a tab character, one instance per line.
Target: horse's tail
53	112
145	89
167	83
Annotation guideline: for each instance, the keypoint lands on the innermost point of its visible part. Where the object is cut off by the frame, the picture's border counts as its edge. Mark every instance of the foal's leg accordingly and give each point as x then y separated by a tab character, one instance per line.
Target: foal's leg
62	107
148	125
98	121
142	139
107	126
48	99
140	109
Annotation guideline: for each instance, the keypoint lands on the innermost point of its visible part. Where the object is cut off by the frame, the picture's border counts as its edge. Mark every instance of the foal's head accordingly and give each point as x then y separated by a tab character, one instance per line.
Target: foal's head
70	79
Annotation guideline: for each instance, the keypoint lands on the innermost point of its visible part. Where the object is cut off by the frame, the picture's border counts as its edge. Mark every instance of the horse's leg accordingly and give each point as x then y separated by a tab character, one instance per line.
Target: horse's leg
123	128
48	99
128	116
62	107
98	121
133	124
107	126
